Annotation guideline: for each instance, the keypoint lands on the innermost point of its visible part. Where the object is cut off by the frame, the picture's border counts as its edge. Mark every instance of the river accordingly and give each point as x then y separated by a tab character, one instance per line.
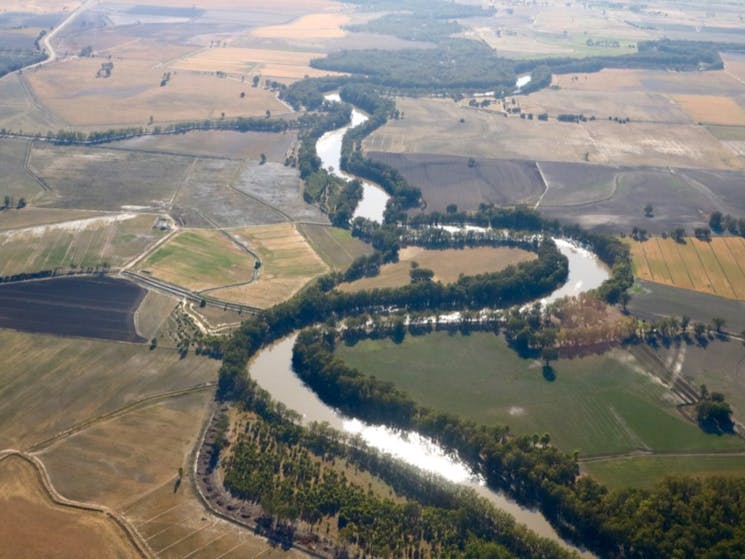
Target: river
328	147
272	370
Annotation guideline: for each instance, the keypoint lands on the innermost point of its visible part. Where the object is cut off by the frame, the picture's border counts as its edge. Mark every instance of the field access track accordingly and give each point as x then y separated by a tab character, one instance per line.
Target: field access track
90	307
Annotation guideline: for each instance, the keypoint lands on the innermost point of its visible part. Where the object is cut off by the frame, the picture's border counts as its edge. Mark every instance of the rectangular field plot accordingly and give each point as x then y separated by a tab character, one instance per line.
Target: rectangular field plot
87	244
287	263
200	259
336	246
716	267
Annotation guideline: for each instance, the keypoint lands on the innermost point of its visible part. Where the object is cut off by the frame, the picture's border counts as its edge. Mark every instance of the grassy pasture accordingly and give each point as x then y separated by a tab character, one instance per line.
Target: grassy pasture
32	525
48	384
199	259
645	471
598	404
133	92
288	263
77	245
717	267
280	65
14	180
335	246
446	264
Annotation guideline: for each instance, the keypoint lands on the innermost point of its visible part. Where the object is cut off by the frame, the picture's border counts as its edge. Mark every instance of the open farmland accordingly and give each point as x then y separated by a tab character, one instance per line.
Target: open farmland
87	244
335	246
108	179
279	65
15	180
311	26
95	307
645	471
716	267
33	217
50	384
288	263
447	265
33	525
200	260
712	109
597	404
446	180
215	143
132	94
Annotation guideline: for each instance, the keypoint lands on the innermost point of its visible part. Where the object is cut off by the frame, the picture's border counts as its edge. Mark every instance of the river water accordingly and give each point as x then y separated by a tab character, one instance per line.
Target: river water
328	147
272	370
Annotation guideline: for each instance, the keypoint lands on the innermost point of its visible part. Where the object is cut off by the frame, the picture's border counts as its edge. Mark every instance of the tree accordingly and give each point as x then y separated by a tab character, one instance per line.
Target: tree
718	323
255	80
624	299
715	221
268	113
699	329
714	415
21	203
679	235
262	159
648	211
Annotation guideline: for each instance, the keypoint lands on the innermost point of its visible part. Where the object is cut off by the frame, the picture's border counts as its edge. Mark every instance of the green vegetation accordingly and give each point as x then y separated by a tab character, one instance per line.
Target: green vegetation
648	471
597	404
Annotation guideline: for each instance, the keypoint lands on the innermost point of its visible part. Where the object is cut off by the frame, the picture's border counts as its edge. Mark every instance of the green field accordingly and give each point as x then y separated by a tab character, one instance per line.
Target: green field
336	246
645	471
597	404
199	260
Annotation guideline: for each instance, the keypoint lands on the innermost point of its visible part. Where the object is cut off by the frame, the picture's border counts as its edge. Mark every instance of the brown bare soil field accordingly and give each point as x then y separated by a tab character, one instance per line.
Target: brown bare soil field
288	263
446	180
32	525
213	143
274	64
446	264
712	109
430	125
114	460
77	245
716	267
198	260
335	246
133	93
311	26
48	384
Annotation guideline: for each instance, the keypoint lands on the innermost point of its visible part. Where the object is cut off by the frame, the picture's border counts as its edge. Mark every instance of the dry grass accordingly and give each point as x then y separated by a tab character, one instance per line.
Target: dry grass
32	525
30	217
712	109
446	264
200	259
280	65
288	263
48	384
153	313
133	93
278	5
717	267
76	245
39	6
312	26
336	246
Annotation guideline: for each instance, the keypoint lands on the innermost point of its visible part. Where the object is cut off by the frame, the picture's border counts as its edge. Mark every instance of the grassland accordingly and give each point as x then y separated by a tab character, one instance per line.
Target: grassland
598	404
712	109
288	263
32	525
279	65
716	267
645	471
447	265
335	246
31	217
48	384
200	259
133	92
15	181
85	244
311	26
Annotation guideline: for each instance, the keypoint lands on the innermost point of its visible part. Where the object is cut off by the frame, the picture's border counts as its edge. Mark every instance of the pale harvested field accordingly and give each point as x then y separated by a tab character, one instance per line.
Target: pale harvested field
446	264
432	125
712	109
29	217
278	5
717	267
15	181
48	384
39	6
198	260
288	263
19	111
113	462
280	65
335	246
32	525
76	245
312	26
133	94
735	65
153	313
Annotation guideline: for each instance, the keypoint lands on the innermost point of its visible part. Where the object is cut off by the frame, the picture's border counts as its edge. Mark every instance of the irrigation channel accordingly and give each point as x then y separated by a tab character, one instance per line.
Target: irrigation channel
272	367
